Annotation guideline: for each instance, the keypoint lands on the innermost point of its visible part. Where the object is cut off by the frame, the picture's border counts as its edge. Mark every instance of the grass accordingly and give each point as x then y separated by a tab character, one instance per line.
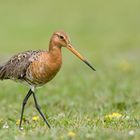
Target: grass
78	103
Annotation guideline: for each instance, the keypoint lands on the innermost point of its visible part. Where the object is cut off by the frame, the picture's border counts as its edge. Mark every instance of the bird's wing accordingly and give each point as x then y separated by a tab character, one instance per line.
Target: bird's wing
16	67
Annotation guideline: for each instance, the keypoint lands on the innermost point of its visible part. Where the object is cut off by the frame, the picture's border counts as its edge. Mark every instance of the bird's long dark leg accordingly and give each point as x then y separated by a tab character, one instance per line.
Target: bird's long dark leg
39	110
23	105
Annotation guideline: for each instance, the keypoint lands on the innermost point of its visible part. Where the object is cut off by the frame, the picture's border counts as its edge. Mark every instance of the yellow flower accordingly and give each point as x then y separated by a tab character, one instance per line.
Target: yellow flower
17	122
125	66
71	134
88	119
35	118
114	115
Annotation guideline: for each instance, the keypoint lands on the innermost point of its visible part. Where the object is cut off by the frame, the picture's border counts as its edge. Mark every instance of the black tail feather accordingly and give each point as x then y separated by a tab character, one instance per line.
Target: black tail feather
1	67
2	72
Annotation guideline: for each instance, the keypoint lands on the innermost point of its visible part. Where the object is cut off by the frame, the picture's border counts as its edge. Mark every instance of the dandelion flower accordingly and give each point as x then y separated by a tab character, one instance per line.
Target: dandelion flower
125	66
1	120
71	134
114	115
88	119
18	122
35	118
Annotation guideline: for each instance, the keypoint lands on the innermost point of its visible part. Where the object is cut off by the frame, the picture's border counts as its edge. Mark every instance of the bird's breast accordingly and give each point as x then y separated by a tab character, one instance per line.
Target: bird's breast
43	70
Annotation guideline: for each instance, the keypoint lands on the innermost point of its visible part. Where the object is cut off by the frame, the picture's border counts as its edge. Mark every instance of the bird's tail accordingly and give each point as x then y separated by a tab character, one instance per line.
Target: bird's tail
2	72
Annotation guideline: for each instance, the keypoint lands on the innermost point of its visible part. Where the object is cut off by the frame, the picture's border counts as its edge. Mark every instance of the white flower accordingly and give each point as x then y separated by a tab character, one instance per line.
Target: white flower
5	125
131	132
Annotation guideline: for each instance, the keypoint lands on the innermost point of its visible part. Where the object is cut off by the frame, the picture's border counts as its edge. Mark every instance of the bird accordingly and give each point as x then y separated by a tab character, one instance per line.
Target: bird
37	67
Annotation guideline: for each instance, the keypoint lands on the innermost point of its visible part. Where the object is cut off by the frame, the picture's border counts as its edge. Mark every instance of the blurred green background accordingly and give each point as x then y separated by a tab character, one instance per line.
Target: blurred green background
107	33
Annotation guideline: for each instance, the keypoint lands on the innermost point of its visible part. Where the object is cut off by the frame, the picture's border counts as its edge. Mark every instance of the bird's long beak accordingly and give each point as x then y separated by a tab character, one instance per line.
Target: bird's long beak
70	47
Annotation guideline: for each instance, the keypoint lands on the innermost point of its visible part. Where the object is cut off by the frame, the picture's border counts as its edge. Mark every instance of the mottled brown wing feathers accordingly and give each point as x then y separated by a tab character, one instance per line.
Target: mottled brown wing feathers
16	67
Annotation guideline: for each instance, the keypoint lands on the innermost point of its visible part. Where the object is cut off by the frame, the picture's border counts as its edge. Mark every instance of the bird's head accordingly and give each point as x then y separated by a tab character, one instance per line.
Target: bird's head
61	39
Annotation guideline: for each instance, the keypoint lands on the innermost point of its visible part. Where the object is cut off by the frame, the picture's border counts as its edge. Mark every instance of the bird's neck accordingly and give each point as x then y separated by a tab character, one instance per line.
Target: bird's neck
55	52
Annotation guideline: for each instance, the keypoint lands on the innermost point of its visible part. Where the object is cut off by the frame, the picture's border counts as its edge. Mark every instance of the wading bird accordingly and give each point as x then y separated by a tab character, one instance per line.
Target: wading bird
36	68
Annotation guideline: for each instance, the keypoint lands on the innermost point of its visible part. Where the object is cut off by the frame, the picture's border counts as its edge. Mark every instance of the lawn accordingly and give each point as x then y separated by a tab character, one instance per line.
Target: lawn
79	103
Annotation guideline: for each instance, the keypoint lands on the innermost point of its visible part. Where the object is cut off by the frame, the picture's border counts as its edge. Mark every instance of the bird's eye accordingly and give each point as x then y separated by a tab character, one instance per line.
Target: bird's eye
61	37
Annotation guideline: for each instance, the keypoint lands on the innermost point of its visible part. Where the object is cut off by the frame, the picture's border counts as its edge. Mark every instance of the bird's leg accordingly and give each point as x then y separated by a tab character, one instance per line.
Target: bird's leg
23	105
39	110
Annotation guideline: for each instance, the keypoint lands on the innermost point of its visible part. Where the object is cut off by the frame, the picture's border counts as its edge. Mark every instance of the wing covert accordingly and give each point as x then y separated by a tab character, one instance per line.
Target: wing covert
16	67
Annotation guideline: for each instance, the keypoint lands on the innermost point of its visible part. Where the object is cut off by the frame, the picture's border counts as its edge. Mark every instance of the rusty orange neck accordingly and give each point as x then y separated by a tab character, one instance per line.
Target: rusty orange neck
55	52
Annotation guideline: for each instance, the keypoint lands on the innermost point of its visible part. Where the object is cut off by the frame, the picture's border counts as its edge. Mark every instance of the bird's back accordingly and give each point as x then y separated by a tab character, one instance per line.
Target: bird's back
33	67
16	67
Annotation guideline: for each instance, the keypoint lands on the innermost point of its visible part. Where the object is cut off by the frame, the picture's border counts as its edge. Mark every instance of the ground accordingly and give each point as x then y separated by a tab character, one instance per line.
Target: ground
79	103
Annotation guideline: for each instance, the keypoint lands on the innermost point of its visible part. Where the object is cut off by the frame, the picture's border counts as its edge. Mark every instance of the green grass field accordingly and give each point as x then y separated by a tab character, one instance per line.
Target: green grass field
80	104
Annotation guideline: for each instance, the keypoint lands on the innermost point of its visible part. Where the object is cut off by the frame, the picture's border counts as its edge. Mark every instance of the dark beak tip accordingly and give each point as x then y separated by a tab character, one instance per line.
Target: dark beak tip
89	65
93	69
